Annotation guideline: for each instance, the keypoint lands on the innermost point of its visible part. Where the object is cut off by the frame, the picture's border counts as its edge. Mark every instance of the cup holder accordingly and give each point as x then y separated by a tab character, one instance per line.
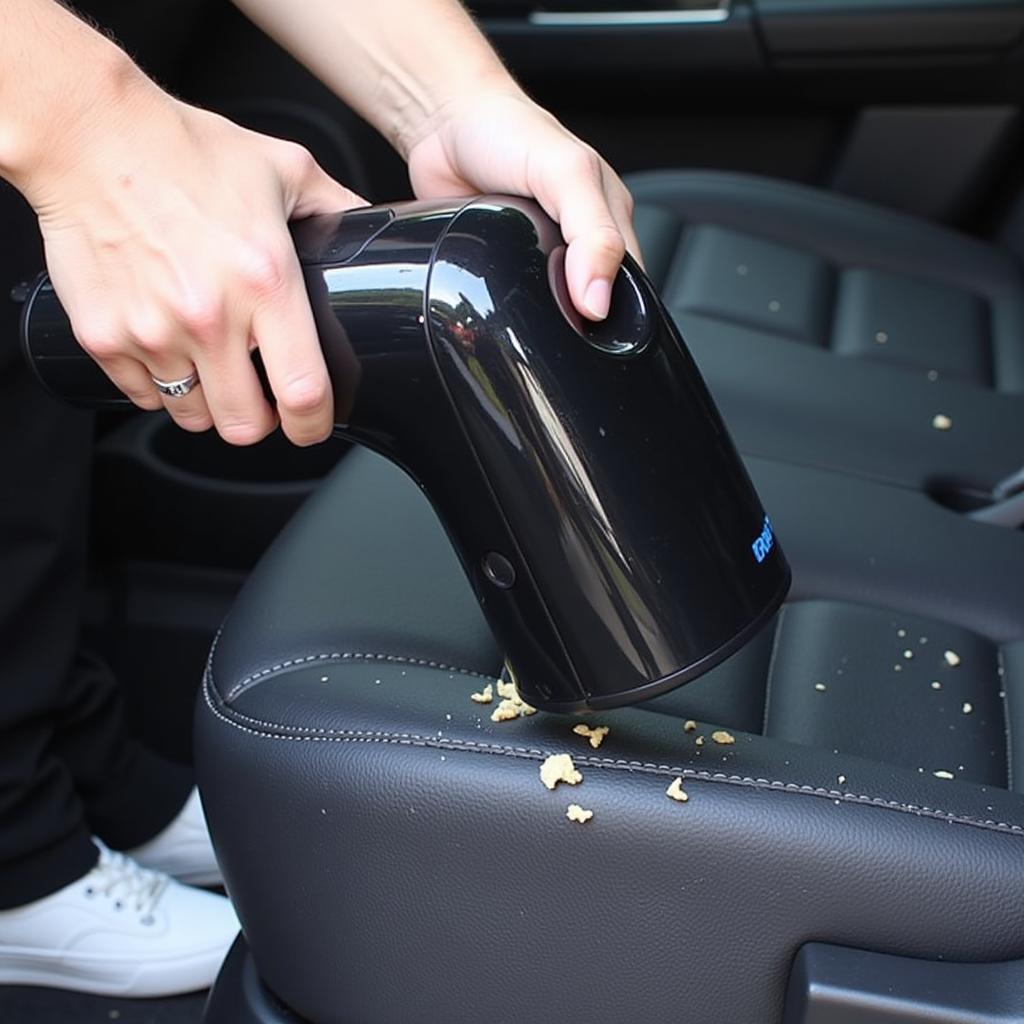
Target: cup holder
273	461
151	476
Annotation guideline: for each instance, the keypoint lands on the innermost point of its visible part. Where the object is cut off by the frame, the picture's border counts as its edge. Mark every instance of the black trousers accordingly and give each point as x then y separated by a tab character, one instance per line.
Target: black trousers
68	770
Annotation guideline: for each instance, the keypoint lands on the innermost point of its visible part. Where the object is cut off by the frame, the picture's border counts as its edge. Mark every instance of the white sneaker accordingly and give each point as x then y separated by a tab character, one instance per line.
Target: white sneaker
119	930
183	850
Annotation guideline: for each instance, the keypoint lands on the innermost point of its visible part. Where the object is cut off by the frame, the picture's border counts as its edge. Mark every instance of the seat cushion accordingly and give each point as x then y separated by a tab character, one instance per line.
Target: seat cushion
799	300
393	854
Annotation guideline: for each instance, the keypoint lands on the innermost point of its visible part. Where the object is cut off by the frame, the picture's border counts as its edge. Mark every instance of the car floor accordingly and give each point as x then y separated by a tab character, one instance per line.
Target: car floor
20	1005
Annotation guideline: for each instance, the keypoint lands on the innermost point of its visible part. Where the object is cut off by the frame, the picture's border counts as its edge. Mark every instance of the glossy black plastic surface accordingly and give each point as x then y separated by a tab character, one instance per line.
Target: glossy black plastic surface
604	519
631	514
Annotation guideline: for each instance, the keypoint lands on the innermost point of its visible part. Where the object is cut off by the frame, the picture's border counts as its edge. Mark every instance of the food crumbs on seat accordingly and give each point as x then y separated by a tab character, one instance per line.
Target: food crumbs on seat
908	654
952	658
901	632
507	691
559	768
933	374
936	685
323	679
882	337
842	779
820	687
595	735
505	711
723	737
774	305
485	696
699	741
967	708
676	791
579	814
923	640
941	422
943	775
689	725
897	668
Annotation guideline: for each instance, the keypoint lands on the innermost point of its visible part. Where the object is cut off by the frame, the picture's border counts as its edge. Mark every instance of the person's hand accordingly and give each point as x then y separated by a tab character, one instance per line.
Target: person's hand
166	239
500	141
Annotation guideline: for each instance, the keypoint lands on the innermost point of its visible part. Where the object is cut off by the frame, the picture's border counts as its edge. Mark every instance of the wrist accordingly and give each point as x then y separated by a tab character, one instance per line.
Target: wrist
52	133
415	119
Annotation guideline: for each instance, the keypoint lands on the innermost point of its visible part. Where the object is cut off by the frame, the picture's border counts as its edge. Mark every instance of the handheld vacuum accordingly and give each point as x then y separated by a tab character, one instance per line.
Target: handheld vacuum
585	478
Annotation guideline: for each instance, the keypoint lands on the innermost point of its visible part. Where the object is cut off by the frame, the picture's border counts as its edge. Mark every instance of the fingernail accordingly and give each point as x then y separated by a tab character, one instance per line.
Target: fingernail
597	298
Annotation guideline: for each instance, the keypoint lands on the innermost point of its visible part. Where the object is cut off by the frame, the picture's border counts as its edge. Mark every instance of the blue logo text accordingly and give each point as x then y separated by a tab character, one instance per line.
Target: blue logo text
763	545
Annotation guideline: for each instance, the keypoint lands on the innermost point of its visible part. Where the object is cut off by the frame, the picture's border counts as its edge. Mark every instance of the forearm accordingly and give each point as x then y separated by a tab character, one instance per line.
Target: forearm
395	62
56	75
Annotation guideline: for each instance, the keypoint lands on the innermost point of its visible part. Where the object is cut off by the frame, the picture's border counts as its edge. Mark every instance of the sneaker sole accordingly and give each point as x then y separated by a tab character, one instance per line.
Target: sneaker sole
103	975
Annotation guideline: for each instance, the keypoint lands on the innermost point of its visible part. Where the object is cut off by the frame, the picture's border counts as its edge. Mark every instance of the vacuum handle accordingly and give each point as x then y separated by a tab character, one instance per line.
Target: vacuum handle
63	367
69	373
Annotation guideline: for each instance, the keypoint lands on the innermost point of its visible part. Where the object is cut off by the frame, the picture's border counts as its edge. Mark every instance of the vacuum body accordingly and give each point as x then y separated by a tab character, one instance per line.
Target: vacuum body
586	480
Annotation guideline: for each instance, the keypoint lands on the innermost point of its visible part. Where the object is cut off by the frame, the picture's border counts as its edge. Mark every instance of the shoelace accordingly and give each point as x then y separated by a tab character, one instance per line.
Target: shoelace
126	882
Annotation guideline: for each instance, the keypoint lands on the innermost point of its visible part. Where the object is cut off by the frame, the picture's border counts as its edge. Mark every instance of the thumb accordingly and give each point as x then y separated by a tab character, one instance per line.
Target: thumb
309	189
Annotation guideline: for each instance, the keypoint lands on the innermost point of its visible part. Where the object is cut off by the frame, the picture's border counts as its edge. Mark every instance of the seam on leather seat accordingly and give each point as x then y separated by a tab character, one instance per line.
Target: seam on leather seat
311	735
255	677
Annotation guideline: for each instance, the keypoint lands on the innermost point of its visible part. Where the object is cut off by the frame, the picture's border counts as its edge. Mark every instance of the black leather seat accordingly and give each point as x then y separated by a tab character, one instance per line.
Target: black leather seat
394	856
832	332
392	852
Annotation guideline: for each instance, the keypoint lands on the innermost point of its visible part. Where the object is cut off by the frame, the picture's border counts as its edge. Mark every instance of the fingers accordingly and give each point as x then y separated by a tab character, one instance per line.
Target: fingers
162	346
595	213
284	329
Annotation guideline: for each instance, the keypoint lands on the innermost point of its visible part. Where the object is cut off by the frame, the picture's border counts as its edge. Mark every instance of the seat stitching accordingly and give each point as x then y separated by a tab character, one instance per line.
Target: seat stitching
347	656
771	669
527	753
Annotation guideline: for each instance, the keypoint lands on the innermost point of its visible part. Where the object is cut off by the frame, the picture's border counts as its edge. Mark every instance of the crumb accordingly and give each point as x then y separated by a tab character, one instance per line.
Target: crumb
507	691
559	768
936	685
699	741
820	687
897	668
689	725
943	775
485	696
952	658
595	735
967	708
323	679
505	711
723	737
842	779
908	654
526	709
941	422
577	813
901	632
676	791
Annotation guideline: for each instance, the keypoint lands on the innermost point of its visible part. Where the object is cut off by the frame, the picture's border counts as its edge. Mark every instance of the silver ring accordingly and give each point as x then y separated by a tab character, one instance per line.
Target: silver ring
177	388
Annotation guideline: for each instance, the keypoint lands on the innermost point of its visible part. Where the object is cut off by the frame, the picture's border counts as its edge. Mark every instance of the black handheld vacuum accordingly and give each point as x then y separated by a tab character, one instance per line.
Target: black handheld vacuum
603	517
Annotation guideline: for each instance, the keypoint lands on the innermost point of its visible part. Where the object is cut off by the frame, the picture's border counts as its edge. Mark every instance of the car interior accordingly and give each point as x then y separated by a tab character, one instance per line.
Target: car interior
830	202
